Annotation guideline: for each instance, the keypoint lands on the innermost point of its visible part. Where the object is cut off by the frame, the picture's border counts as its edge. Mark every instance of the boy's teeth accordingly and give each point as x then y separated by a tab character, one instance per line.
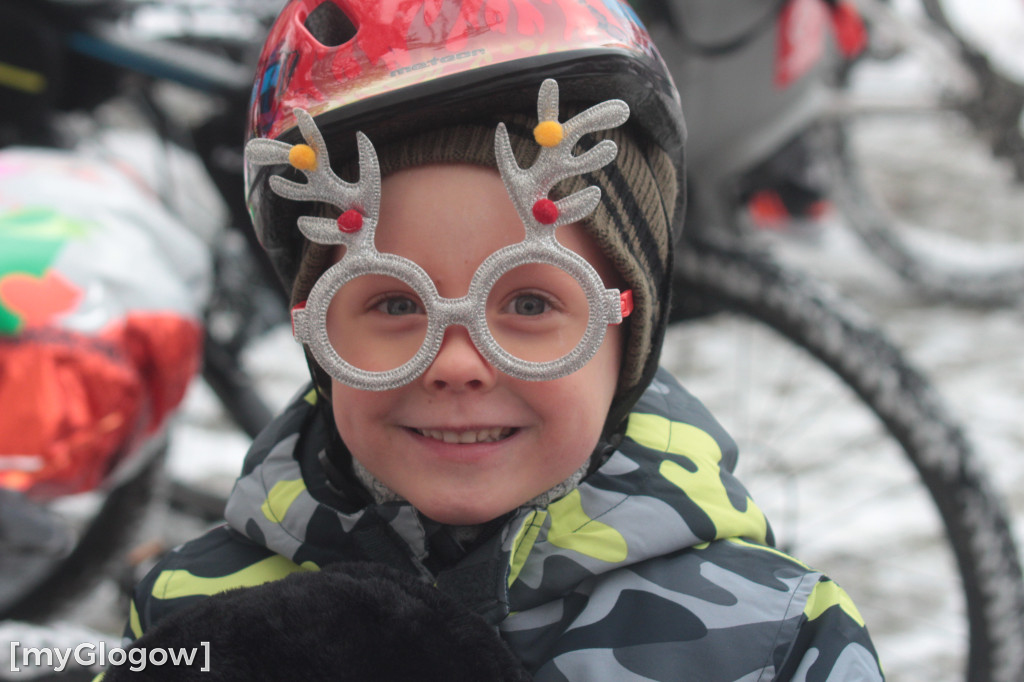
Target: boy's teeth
481	436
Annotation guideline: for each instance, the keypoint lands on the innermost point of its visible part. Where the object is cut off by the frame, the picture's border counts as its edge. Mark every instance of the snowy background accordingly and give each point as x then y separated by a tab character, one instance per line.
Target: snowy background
842	498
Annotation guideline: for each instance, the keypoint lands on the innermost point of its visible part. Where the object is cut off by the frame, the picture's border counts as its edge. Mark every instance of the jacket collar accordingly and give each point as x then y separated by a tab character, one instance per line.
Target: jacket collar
667	487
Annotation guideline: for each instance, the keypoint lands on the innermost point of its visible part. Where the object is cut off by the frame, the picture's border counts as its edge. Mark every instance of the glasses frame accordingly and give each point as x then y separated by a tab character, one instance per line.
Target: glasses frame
606	307
359	207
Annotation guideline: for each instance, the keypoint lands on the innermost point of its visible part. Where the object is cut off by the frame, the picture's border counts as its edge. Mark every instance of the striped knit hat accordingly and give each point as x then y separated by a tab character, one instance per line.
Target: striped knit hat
633	226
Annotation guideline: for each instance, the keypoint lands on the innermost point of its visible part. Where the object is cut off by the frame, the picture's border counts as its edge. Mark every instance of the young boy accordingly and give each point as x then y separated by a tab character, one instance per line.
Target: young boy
483	299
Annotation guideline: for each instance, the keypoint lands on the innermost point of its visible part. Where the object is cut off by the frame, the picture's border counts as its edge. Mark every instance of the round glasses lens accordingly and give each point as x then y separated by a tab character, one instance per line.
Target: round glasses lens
376	323
537	312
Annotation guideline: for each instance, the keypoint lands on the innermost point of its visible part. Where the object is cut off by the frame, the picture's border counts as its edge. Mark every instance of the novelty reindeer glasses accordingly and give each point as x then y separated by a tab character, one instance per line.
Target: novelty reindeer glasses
515	348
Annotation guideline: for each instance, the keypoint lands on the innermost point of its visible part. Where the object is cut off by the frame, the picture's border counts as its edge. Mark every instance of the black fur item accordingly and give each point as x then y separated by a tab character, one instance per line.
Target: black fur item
351	621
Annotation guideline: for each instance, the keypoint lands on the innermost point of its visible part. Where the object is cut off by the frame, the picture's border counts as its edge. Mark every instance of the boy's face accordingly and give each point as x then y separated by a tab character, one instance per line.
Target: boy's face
530	435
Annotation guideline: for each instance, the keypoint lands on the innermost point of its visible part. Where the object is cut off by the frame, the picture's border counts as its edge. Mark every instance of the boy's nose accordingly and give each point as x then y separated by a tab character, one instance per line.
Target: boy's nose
458	365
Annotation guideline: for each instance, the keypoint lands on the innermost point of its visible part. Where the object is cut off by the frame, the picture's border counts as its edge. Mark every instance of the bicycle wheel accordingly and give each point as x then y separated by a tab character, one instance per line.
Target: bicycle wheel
106	522
903	186
926	162
857	464
993	56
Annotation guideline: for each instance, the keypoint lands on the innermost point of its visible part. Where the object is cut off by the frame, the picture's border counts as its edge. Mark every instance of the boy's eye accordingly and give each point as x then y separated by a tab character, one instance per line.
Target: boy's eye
528	304
537	313
398	305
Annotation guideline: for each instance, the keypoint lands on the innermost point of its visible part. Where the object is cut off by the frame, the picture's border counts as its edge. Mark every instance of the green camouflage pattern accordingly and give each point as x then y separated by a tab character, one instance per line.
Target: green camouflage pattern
658	566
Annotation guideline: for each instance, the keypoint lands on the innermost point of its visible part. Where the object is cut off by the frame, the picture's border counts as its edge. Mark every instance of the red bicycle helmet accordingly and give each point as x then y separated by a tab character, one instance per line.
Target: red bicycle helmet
398	67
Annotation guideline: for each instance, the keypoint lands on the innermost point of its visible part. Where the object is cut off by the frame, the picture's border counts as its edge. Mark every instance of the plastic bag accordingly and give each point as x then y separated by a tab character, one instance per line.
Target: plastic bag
101	294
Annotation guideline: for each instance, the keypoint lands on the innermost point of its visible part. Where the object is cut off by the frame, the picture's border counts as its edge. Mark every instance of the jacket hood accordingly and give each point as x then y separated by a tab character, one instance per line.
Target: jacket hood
668	486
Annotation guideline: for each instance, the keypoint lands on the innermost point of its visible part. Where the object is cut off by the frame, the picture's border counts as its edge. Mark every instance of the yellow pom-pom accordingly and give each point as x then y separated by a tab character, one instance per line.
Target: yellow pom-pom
548	133
302	157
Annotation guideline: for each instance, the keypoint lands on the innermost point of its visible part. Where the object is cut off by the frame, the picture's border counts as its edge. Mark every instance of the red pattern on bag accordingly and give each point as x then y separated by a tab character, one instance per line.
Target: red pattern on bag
75	405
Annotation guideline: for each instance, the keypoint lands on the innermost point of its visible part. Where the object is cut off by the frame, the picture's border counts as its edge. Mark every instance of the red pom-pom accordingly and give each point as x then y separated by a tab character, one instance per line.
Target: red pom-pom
545	212
350	221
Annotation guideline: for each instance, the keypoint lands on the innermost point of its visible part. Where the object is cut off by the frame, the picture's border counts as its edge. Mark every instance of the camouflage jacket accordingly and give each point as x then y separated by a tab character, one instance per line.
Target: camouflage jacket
657	567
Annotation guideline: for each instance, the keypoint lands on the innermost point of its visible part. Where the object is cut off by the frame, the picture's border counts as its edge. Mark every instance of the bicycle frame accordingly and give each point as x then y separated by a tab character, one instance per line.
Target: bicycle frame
744	104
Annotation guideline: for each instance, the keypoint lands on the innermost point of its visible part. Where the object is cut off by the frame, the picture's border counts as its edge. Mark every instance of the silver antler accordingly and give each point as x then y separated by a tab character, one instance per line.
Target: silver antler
358	203
529	188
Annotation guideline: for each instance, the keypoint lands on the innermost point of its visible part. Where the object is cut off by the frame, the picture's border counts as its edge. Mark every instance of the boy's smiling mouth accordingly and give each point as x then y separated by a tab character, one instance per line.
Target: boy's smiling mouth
468	436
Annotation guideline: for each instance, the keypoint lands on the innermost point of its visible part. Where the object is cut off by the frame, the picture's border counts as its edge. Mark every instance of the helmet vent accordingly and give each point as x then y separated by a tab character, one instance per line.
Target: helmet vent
329	24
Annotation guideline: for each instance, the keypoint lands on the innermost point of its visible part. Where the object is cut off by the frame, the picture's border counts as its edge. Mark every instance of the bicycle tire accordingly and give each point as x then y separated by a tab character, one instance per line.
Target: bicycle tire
916	425
242	402
996	112
106	535
974	264
243	308
950	112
